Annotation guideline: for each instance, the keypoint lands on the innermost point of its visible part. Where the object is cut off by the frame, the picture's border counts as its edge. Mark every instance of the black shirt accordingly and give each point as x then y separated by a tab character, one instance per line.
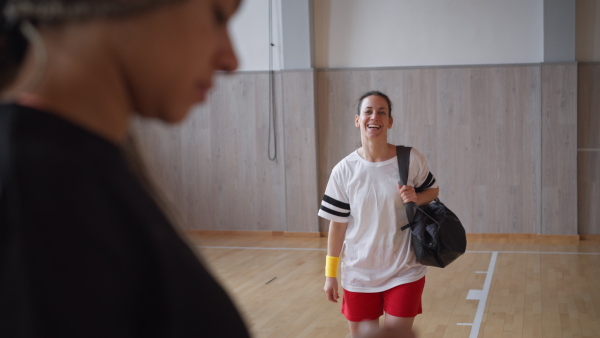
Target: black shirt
84	249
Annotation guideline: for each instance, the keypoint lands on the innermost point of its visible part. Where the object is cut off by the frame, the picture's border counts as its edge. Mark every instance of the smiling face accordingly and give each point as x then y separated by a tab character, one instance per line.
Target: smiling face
169	56
374	119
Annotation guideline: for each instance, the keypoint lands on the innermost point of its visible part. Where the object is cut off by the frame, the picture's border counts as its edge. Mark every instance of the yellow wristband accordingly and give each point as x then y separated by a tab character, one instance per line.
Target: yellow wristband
331	266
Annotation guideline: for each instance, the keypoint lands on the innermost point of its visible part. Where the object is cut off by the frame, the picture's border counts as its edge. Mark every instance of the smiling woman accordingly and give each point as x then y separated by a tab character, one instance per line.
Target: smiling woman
379	271
85	249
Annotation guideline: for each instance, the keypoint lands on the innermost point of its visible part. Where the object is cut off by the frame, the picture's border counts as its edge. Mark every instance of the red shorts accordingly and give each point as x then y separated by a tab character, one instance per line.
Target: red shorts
401	301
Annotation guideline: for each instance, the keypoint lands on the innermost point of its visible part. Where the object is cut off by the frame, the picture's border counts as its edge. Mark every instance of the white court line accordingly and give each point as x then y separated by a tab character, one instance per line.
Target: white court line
538	252
482	295
257	248
318	249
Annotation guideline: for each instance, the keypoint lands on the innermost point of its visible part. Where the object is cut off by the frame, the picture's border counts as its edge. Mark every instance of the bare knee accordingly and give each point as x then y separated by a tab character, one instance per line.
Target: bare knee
359	329
400	325
393	327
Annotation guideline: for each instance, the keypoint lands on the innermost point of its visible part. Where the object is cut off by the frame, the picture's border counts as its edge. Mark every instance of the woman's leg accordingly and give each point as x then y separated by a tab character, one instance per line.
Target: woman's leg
401	305
402	326
393	327
364	328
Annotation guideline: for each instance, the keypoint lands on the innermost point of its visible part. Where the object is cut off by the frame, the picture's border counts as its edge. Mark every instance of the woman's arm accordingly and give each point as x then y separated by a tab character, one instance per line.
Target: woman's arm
335	241
409	194
427	196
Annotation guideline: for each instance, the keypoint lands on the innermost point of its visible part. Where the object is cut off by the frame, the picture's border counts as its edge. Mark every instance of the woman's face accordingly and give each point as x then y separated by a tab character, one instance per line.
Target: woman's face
374	119
168	56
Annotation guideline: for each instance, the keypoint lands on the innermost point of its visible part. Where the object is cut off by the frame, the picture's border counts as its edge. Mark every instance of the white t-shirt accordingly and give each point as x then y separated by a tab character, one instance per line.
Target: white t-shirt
376	255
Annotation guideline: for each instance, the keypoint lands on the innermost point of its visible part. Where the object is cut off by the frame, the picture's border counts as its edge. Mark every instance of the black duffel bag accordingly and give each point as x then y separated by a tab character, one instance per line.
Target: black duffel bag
438	236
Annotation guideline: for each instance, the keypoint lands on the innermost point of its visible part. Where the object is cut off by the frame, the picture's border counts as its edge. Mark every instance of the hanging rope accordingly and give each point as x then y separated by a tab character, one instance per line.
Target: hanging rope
272	134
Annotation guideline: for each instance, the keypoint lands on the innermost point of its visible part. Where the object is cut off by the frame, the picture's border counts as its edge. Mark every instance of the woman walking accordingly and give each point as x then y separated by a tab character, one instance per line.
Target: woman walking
379	271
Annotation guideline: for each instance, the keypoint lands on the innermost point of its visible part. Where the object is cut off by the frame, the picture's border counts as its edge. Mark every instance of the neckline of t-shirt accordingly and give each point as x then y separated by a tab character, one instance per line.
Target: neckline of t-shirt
65	127
375	164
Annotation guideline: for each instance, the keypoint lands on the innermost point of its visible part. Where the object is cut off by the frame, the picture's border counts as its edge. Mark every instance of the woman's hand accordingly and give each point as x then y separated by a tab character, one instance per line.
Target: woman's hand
331	289
408	193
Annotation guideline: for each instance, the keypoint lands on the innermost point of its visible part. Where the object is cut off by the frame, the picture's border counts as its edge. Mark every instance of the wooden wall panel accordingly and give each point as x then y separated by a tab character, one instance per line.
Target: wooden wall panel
478	126
588	156
559	149
503	158
298	106
214	166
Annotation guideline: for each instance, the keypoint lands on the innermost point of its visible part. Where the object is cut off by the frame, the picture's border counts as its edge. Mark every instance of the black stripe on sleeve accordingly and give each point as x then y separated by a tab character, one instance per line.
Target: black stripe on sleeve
333	212
337	203
427	184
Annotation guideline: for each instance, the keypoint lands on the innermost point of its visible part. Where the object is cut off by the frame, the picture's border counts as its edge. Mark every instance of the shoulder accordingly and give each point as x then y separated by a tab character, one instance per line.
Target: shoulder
44	142
347	165
417	156
64	173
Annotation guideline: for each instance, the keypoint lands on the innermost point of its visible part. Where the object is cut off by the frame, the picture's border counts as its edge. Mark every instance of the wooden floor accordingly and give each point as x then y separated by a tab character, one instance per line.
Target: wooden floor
499	288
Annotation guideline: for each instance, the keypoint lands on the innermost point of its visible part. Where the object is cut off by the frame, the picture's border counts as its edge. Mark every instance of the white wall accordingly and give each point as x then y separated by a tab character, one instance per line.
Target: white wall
249	30
387	33
390	33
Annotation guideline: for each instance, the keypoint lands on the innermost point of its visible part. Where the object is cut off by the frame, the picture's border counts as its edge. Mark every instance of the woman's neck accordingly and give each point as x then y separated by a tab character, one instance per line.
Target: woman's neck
79	85
376	152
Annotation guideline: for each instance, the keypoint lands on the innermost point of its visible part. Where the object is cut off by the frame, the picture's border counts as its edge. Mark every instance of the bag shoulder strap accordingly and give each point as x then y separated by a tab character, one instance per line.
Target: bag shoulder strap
403	155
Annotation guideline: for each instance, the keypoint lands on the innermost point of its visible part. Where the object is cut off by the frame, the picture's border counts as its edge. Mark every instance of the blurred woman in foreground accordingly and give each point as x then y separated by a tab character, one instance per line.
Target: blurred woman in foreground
85	249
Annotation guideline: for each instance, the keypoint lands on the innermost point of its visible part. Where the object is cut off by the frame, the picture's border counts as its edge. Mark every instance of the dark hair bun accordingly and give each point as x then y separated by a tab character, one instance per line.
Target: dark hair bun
13	46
